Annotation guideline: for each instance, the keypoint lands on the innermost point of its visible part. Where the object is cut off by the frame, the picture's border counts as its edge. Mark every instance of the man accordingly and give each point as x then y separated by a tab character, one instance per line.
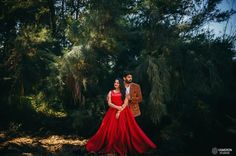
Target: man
134	93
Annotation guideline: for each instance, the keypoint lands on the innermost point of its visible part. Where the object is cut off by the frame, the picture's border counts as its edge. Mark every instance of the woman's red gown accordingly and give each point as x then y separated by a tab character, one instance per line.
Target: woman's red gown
119	135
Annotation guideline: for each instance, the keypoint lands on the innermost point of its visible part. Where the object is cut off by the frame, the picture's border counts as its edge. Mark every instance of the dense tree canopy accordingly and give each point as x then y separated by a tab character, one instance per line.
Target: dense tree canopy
59	58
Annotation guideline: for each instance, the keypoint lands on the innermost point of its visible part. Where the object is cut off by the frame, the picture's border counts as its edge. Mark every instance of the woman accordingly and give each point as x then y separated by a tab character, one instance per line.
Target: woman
119	132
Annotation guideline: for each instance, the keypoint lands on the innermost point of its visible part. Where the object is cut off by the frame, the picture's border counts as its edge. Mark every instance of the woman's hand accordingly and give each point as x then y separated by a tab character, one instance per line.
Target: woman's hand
119	108
117	114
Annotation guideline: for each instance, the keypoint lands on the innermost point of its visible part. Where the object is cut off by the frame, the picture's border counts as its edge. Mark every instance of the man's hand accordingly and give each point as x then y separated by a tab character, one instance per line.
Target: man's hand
129	97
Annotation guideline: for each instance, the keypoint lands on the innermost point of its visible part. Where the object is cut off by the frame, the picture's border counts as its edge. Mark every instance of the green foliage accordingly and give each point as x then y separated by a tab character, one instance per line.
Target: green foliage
72	73
40	105
58	60
89	117
157	73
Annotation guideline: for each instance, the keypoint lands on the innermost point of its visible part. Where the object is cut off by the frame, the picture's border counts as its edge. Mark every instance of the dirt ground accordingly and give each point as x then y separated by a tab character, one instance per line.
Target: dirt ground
14	145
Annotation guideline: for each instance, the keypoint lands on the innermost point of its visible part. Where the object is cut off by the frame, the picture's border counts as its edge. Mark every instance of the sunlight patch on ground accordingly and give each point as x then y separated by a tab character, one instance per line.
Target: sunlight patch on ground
52	143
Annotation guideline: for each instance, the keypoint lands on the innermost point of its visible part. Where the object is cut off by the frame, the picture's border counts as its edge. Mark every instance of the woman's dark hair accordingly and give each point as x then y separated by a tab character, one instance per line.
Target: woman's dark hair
122	88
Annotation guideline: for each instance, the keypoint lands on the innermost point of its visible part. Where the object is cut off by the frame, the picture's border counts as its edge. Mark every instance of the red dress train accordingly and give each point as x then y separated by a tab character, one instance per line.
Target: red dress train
119	135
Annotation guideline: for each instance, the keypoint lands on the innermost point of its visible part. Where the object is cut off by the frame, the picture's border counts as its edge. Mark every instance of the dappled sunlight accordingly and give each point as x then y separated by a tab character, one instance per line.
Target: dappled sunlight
56	139
40	105
50	144
21	140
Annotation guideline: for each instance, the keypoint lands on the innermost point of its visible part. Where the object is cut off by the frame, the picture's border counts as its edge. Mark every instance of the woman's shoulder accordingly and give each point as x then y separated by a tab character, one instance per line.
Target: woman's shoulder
113	92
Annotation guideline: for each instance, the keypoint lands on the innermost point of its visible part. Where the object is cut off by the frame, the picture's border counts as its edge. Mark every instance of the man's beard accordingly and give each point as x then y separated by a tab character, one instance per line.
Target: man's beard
128	81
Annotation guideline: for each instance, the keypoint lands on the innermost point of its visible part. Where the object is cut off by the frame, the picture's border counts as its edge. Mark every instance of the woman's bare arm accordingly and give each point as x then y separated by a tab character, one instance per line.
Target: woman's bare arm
126	102
110	104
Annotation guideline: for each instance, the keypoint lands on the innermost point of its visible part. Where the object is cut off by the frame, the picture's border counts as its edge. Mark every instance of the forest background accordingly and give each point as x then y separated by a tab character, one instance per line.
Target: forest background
59	59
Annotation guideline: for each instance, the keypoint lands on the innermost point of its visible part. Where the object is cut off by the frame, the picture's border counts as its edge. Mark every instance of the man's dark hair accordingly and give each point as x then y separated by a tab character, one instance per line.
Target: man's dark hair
126	72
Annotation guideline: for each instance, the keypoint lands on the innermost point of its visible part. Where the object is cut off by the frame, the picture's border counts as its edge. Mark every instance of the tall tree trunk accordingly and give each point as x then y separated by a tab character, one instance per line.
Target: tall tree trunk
52	16
22	88
62	9
77	10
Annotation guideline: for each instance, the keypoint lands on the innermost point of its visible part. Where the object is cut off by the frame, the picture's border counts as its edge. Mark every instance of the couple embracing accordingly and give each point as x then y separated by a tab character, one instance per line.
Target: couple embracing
119	132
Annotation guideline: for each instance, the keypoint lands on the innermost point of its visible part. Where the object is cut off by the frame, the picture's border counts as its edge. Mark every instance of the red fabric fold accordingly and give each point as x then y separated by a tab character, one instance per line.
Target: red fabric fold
119	135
